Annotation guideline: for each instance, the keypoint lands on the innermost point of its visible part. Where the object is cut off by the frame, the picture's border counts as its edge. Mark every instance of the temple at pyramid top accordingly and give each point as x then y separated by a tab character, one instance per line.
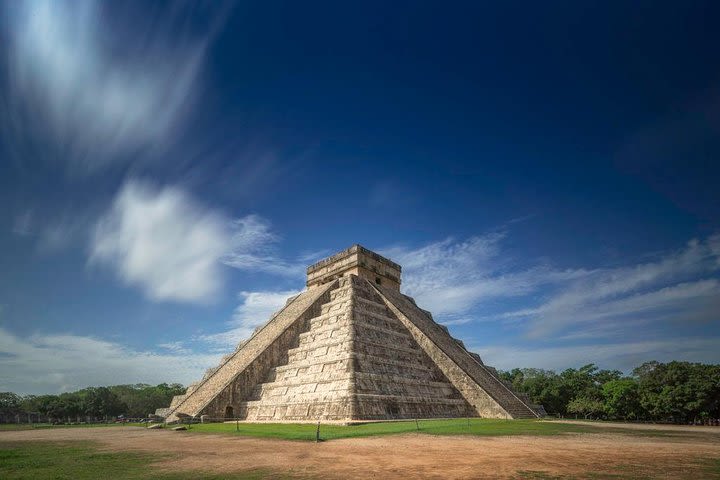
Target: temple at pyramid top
356	260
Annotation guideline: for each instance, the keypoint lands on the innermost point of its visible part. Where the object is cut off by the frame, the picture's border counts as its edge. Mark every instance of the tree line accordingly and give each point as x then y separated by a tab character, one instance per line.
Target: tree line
89	404
678	392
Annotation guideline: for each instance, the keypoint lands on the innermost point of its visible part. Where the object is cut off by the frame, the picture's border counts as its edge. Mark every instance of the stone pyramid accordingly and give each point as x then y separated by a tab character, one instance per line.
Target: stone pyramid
351	348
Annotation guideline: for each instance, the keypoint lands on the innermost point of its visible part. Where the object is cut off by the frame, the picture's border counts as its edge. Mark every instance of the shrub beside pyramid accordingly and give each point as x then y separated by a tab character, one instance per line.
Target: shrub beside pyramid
351	348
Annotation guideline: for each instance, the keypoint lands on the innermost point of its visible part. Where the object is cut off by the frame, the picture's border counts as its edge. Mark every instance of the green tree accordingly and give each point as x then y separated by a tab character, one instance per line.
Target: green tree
588	407
101	401
10	406
544	387
73	405
51	406
142	399
622	399
10	403
30	404
679	391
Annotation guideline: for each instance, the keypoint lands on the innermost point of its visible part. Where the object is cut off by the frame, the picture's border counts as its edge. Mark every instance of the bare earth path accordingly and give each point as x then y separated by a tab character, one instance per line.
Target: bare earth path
412	456
647	426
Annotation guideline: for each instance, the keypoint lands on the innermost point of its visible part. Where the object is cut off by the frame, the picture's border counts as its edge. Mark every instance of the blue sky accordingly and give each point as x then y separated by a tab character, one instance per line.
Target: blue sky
546	173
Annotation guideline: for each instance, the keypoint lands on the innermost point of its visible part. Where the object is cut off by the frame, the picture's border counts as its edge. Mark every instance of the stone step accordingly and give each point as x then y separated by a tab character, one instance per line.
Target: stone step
397	385
363	362
364	382
371	306
362	397
383	336
336	306
358	343
314	362
356	330
379	319
324	338
324	386
366	304
306	394
412	354
347	326
352	289
329	318
316	372
338	409
410	399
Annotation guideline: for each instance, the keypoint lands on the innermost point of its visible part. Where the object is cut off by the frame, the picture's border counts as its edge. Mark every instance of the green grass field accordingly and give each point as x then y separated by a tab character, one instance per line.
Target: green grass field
30	426
460	426
475	426
82	460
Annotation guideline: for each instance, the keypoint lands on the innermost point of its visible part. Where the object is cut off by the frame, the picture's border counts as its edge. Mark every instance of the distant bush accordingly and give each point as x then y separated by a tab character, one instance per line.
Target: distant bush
135	401
670	392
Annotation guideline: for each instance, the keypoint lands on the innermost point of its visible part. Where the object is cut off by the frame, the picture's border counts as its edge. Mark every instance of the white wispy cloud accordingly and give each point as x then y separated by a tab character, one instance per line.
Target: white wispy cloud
675	285
98	90
255	310
173	247
455	279
254	248
164	241
451	277
178	346
57	363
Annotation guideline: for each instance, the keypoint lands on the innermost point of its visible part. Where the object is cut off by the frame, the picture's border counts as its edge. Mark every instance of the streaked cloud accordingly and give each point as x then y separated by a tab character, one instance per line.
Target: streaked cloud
679	285
99	83
458	280
255	248
451	277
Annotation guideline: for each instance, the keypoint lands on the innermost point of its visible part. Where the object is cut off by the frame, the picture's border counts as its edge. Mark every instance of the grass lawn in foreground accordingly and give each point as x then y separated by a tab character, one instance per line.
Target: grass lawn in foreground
459	426
83	460
30	426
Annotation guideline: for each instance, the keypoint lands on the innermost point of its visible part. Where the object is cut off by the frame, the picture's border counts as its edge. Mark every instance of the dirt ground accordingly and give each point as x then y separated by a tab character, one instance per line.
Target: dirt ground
414	455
